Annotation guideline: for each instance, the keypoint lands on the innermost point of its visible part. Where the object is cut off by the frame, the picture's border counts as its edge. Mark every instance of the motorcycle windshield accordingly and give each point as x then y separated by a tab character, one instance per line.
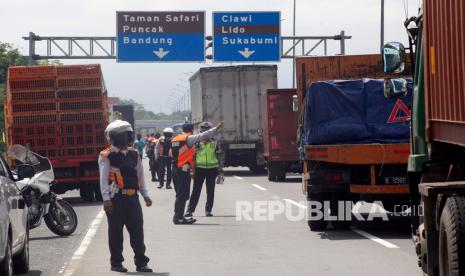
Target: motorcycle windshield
21	155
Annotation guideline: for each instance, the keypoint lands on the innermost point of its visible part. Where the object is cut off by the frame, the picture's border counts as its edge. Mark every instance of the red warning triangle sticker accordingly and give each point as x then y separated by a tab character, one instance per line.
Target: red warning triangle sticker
400	113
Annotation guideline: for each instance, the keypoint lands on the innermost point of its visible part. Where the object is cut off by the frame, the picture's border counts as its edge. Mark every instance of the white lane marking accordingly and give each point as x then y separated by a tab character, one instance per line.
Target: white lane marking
238	177
79	253
259	187
375	239
295	203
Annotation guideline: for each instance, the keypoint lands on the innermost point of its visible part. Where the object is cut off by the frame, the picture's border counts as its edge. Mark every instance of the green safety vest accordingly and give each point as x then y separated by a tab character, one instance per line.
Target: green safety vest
206	155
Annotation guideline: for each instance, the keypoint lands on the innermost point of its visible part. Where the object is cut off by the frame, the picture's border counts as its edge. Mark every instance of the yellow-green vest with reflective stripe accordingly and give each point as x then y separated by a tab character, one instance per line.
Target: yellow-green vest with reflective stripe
206	155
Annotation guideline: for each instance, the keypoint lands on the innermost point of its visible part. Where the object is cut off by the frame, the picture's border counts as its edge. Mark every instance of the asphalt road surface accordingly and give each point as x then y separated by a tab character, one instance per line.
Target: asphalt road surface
230	243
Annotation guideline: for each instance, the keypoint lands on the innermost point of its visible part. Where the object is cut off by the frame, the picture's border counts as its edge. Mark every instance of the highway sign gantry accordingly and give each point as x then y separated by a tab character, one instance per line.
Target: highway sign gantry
160	36
246	36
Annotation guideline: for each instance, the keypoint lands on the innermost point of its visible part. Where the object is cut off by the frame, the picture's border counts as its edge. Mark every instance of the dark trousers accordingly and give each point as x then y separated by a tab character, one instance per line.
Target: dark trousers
182	183
152	164
127	211
164	165
201	175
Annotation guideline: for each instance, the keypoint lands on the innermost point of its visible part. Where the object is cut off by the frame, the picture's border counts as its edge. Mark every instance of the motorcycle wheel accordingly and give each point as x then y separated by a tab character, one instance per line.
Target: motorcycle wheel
61	221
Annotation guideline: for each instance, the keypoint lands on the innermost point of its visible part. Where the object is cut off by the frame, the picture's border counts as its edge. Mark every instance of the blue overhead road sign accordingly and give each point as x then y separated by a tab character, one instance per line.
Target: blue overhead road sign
246	36
160	36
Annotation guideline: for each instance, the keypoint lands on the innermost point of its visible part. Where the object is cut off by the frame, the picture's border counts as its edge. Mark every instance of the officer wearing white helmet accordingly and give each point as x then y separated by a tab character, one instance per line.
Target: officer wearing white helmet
162	150
121	179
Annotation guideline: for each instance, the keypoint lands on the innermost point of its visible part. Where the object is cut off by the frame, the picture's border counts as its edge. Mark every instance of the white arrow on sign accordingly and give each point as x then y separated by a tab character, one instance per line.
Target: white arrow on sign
160	53
246	53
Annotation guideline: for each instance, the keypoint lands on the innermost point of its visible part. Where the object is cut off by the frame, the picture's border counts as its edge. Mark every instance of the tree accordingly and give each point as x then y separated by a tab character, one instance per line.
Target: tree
9	56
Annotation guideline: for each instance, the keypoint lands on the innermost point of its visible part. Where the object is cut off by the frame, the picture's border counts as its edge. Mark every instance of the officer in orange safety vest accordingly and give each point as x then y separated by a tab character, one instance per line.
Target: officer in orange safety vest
121	179
183	154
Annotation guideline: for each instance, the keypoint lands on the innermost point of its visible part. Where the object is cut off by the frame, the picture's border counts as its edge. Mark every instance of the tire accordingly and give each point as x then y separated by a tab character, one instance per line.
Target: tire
339	225
317	224
21	260
6	266
271	173
452	237
54	216
86	191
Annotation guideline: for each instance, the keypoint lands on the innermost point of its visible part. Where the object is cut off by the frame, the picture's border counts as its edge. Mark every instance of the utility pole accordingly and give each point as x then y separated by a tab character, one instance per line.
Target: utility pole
293	43
382	27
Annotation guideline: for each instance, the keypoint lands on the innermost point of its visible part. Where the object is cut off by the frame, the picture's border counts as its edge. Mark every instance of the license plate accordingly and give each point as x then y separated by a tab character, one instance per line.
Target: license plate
241	146
395	180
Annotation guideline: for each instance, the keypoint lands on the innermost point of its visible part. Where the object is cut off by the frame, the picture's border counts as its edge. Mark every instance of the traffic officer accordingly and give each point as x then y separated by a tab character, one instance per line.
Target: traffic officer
150	150
163	159
121	178
183	154
208	165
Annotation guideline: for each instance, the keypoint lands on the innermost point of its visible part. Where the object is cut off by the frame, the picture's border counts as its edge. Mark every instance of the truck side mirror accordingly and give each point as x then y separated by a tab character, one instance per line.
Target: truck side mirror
394	57
395	88
295	103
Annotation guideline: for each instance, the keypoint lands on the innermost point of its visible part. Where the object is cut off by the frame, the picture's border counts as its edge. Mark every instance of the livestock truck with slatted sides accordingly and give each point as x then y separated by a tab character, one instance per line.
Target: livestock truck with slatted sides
233	95
436	165
353	142
60	112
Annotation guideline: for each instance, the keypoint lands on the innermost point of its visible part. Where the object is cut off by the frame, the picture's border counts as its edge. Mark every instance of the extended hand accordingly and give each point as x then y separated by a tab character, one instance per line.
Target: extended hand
148	201
108	207
220	125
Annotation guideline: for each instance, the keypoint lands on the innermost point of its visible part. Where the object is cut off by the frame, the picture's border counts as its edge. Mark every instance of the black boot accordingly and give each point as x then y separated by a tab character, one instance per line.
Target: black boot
119	268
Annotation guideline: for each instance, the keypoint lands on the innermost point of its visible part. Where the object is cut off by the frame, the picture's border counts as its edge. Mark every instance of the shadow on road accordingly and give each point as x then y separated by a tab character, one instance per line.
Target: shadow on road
47	238
153	273
396	228
33	273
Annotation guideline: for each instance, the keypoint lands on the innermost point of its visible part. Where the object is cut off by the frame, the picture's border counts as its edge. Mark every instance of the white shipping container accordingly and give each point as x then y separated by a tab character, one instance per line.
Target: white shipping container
232	94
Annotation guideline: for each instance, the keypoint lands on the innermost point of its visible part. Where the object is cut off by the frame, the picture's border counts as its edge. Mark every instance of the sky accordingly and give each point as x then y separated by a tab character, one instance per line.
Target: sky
151	84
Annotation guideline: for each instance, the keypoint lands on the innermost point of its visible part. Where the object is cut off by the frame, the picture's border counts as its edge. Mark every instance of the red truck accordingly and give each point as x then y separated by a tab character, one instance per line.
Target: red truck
61	112
279	122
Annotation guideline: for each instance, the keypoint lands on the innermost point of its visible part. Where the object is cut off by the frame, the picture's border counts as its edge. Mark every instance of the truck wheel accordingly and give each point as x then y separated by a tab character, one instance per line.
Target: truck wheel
339	224
86	191
271	172
452	237
316	224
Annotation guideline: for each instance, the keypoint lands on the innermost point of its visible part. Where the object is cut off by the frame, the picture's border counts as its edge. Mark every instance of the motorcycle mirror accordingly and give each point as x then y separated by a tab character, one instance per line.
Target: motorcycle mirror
395	88
25	171
394	57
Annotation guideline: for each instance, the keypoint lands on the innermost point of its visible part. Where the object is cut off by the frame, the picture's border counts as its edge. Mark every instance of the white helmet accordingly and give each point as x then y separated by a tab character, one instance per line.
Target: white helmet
120	133
168	130
118	126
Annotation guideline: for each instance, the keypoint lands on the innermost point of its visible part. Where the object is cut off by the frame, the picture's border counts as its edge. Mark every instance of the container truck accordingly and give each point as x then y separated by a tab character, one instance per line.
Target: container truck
436	165
232	94
60	112
125	112
353	142
279	123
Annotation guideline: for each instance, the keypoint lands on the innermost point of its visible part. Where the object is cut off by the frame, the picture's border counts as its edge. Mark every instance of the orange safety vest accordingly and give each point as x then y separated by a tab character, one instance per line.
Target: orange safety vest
181	153
123	169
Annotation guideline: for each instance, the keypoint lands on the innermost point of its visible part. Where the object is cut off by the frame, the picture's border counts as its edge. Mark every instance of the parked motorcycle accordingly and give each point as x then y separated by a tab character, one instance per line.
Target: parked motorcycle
59	215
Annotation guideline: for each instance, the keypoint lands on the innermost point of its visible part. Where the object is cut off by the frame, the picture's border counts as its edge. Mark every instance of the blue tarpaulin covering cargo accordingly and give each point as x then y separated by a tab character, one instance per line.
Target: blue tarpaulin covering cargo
355	112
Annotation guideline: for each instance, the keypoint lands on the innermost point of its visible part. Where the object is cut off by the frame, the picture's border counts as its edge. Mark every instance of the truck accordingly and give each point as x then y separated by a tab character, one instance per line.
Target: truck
346	148
61	112
279	123
436	170
125	112
232	94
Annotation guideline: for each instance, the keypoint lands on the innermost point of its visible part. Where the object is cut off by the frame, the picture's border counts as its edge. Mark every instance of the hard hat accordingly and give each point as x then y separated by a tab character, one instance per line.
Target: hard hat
168	130
118	126
120	133
206	125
